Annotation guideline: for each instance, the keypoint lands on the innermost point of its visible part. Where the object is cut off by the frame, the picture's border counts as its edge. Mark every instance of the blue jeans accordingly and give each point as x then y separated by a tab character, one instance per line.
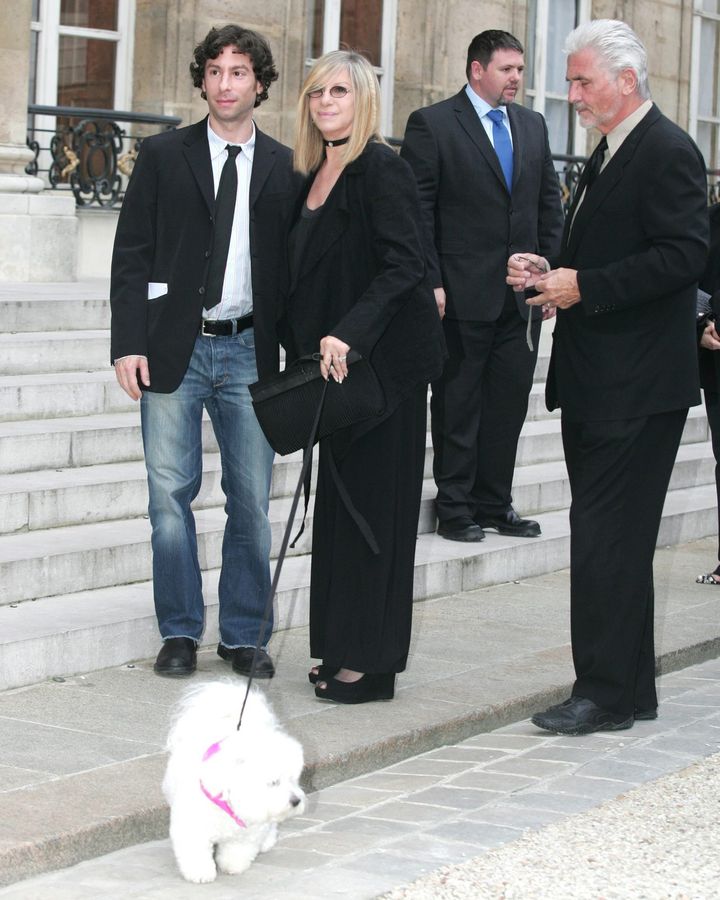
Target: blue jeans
217	377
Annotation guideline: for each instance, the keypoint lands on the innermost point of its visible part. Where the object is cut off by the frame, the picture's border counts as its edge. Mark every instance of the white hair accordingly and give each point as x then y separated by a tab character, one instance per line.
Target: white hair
616	44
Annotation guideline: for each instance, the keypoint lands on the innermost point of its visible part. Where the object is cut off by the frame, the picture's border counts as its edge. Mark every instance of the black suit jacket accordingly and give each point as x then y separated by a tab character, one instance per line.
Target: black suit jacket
639	243
363	276
472	223
165	234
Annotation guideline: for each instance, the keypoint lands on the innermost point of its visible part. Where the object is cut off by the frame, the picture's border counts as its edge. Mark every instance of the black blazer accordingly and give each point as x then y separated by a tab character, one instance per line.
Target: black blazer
639	243
165	234
363	276
472	223
709	360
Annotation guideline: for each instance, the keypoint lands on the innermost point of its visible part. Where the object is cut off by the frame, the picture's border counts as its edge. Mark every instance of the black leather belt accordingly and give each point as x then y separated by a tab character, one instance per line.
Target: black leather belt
225	327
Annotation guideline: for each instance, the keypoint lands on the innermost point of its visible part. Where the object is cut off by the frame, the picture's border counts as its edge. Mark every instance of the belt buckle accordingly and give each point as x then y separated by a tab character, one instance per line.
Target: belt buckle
202	329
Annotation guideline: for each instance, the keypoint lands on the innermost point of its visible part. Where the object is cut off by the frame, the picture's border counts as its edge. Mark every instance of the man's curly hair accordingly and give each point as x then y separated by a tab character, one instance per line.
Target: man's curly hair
246	41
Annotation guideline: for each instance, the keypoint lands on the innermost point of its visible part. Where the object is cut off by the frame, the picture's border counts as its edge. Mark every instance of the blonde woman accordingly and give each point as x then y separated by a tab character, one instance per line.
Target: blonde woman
358	281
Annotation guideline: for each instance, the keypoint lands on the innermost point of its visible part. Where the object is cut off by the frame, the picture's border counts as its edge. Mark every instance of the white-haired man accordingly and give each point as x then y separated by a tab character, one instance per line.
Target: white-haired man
623	367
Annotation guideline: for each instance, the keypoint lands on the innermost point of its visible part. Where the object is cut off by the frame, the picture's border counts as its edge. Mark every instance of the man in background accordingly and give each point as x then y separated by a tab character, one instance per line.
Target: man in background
487	187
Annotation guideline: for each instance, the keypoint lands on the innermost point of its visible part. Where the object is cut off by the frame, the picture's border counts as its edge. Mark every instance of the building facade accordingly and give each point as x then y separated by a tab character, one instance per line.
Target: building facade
132	56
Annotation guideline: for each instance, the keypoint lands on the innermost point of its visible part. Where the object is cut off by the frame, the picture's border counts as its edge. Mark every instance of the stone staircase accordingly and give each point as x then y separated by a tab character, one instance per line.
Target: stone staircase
75	559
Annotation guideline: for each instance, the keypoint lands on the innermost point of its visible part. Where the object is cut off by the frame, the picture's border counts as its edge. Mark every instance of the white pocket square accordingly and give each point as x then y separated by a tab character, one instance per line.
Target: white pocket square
156	289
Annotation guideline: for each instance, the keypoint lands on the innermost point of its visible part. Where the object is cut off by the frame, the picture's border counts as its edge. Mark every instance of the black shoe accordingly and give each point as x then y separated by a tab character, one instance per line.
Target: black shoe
461	529
510	523
177	657
322	674
646	715
242	657
365	690
578	715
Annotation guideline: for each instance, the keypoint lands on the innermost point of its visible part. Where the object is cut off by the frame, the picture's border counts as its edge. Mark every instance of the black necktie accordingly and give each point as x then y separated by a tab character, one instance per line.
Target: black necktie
224	212
594	164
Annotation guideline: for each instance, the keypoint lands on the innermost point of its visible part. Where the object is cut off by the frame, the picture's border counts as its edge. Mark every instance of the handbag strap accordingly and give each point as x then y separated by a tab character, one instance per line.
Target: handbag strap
307	459
357	518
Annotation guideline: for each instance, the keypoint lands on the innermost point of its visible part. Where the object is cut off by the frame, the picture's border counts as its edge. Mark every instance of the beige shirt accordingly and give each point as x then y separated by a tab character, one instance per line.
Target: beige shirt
623	129
617	136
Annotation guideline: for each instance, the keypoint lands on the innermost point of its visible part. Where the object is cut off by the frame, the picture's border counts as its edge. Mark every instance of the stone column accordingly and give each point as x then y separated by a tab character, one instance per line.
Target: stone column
37	228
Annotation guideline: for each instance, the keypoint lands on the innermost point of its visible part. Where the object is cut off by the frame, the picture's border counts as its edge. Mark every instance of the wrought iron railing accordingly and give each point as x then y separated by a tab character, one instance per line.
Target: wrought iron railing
569	169
88	151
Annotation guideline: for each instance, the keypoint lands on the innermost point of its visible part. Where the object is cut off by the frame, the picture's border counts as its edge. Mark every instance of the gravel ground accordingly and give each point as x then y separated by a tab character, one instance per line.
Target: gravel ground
660	841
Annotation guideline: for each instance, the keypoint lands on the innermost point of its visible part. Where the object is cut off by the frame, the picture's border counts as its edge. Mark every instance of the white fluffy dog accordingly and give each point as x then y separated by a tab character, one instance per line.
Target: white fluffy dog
228	789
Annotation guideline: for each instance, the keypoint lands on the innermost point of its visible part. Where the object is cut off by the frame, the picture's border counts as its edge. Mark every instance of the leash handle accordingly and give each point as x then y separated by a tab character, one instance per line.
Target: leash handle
307	460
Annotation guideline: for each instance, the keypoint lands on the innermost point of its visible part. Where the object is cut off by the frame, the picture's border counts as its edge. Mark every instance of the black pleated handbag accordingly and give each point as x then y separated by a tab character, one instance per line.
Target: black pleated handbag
286	404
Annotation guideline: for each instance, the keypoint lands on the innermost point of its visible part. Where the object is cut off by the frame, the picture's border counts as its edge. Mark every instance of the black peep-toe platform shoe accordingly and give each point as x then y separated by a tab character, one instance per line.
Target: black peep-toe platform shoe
365	690
324	673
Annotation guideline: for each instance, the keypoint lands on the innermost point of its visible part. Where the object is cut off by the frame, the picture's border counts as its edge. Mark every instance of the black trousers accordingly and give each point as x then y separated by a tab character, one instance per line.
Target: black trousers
619	473
361	603
478	408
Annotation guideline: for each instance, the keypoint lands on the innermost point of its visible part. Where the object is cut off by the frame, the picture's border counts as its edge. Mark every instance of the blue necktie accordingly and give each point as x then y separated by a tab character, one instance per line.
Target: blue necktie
503	144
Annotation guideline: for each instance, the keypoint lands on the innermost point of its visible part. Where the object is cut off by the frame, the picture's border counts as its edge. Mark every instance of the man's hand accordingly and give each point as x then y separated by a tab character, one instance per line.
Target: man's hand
710	339
524	269
440	300
334	358
559	288
126	372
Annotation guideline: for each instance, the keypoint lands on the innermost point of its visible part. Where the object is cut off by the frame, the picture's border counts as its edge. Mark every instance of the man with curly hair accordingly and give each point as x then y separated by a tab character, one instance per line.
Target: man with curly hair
195	279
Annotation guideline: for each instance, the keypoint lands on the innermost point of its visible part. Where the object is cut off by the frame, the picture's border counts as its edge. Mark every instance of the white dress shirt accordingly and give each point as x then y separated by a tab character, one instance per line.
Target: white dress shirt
236	298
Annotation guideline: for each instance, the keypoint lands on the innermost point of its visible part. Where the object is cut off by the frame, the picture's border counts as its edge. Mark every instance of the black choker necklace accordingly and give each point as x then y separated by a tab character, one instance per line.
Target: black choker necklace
338	143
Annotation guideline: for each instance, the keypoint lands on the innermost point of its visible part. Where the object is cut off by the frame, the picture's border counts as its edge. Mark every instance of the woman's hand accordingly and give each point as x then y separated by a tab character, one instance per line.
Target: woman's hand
334	358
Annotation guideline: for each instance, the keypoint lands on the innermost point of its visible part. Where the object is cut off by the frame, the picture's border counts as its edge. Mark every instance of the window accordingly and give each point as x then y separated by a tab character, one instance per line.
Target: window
81	53
704	119
549	23
364	25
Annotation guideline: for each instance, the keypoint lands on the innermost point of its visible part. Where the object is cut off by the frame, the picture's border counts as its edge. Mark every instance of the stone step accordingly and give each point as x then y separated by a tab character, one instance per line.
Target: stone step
32	501
57	560
50	396
62	307
81	631
63	394
58	393
54	351
34	352
96	554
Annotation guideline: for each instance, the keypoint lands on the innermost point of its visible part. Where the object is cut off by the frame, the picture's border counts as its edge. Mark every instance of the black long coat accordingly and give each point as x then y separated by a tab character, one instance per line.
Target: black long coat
363	278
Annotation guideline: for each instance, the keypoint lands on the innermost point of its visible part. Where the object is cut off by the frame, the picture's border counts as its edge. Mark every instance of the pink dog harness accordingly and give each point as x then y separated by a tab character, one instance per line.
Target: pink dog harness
218	799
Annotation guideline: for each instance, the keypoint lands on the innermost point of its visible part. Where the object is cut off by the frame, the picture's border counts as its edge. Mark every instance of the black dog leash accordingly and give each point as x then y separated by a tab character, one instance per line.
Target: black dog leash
307	461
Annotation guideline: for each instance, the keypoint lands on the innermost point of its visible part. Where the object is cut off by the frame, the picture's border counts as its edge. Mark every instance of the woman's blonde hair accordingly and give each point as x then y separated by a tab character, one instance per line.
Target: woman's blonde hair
309	148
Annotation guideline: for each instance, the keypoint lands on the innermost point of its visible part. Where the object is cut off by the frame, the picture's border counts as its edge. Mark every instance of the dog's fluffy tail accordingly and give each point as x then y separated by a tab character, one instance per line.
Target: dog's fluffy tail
213	709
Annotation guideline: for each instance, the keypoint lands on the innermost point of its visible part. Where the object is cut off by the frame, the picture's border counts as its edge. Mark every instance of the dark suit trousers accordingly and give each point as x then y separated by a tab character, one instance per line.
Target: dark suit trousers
478	408
619	473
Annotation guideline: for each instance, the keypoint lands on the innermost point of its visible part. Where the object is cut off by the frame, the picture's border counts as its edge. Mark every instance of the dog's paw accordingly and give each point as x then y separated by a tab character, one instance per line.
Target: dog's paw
199	874
234	857
270	838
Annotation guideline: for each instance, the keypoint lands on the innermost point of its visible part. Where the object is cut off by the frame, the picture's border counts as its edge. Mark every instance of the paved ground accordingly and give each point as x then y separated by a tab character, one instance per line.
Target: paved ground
81	759
535	798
